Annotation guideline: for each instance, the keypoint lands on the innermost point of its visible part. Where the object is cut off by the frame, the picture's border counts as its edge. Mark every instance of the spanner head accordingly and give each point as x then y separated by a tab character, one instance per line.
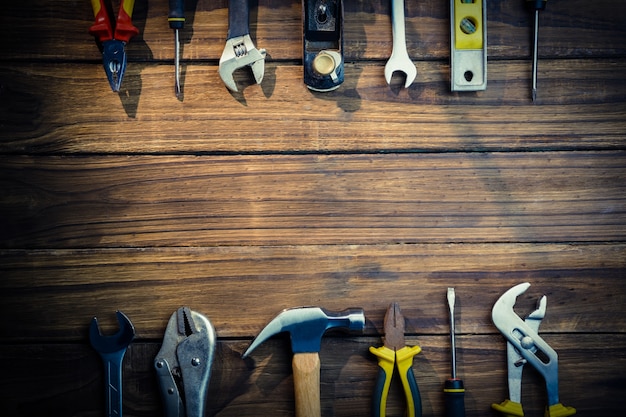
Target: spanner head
238	53
113	343
401	65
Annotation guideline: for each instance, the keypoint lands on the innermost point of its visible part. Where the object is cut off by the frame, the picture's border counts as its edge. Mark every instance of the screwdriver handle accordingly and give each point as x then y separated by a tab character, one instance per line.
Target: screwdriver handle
453	390
537	4
176	17
454	398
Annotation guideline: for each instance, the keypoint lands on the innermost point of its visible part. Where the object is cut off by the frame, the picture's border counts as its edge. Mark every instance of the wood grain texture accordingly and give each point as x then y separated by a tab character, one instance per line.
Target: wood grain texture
263	384
337	199
47	31
46	109
306	384
51	295
240	205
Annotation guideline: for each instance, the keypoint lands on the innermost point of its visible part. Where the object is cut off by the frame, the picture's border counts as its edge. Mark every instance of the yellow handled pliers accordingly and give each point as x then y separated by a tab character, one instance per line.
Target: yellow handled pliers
394	354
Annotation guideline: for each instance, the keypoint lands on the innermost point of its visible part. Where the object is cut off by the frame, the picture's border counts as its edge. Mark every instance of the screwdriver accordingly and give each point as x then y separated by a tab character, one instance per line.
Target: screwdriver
453	390
535	5
176	19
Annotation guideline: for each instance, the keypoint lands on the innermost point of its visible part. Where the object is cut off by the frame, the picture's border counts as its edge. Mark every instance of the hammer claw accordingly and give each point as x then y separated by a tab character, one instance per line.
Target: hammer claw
306	326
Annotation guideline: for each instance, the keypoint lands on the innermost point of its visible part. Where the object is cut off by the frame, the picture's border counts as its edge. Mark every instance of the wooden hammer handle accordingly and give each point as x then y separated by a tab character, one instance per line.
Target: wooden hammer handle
306	382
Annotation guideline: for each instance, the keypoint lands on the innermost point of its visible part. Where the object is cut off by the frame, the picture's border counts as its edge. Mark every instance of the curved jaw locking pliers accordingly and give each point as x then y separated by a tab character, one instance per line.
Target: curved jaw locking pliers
183	364
524	345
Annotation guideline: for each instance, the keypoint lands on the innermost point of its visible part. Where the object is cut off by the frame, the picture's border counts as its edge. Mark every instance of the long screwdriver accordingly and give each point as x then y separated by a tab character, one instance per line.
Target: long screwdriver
536	6
453	390
176	19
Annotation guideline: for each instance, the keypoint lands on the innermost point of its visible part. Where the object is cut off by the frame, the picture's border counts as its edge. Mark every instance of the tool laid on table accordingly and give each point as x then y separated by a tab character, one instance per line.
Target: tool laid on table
536	6
239	51
323	44
112	349
524	345
468	53
306	326
394	354
399	60
453	389
176	19
183	364
112	41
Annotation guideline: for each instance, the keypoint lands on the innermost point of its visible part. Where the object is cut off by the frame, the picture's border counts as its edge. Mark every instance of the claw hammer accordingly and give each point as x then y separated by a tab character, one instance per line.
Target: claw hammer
306	326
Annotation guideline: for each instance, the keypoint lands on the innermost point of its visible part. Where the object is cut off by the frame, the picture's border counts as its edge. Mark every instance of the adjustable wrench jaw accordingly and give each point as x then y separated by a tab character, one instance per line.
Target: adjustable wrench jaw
183	364
240	52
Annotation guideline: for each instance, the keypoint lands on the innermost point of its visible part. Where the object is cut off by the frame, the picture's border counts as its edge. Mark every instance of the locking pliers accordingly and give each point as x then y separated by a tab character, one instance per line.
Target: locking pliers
183	364
524	345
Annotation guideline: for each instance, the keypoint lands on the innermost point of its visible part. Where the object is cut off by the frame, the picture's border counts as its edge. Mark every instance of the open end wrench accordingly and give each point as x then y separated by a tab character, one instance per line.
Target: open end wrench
239	50
112	350
399	60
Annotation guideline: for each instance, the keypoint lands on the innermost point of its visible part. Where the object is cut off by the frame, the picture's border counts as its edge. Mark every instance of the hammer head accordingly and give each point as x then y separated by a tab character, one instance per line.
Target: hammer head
306	326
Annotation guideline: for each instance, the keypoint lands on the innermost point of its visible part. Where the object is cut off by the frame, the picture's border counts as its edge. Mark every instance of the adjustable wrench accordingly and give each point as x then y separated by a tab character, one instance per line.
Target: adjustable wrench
399	60
112	349
239	50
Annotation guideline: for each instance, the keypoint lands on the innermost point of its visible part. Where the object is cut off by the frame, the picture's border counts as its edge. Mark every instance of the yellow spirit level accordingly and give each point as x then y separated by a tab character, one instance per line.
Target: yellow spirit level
468	55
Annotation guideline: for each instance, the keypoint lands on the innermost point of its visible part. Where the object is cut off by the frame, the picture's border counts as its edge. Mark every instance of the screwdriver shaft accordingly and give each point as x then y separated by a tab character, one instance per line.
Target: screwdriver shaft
177	63
176	19
535	55
454	392
451	301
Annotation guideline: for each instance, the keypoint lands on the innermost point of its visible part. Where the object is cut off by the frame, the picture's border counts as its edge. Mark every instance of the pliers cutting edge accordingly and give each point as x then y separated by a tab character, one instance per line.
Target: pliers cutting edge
112	43
394	354
524	345
183	364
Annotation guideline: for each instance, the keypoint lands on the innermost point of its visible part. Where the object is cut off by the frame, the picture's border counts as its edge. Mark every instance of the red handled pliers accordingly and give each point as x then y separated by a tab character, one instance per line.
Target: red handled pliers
112	41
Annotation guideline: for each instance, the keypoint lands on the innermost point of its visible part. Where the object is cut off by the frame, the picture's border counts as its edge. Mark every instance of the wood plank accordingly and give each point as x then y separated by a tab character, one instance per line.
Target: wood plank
111	201
44	108
46	31
67	379
51	295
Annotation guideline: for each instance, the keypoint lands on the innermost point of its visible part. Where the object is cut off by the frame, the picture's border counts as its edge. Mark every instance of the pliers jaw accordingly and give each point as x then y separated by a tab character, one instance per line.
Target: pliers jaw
524	345
395	355
183	364
114	62
112	37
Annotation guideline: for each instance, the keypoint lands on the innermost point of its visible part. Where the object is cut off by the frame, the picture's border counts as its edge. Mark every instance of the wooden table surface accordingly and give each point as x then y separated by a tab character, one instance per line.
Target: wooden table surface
239	205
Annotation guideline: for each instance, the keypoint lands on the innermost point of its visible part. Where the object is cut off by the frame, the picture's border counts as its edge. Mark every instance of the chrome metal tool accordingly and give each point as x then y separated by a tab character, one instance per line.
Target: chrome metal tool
453	389
536	6
239	51
468	55
399	60
524	345
183	364
176	19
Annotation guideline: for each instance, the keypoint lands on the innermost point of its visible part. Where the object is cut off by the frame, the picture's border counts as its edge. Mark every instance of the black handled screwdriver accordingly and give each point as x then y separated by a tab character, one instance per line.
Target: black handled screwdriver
535	5
453	390
176	19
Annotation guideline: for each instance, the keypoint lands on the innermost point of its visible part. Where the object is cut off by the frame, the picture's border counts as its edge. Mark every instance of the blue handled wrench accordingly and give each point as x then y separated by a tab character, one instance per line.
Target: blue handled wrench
112	349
